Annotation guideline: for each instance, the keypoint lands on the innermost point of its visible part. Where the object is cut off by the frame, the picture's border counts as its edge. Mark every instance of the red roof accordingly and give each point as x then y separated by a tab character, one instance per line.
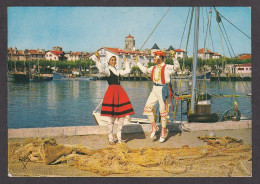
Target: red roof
245	56
244	65
216	54
35	52
76	53
20	52
115	50
120	51
179	50
201	51
129	36
57	53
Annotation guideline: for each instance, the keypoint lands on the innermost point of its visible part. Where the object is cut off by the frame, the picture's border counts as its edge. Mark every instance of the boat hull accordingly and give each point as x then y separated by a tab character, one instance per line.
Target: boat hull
203	118
101	120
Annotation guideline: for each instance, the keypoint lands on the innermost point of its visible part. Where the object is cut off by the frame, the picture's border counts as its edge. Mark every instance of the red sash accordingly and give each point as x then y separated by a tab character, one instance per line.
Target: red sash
162	74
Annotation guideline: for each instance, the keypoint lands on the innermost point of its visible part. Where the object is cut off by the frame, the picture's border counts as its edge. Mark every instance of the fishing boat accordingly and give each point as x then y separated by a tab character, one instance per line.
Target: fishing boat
84	78
21	77
40	77
60	76
93	78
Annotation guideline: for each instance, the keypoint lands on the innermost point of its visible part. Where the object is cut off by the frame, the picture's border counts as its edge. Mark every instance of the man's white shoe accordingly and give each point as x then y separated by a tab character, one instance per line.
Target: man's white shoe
162	139
152	135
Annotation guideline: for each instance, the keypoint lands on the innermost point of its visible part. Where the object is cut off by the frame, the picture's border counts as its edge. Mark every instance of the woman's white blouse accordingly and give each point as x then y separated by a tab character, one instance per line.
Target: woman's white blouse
106	70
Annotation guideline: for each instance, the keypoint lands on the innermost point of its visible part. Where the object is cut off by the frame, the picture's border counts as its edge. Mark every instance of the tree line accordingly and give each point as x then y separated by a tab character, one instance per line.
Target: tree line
45	65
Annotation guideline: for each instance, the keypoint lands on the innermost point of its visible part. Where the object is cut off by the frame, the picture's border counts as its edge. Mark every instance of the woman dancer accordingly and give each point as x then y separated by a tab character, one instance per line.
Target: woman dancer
116	104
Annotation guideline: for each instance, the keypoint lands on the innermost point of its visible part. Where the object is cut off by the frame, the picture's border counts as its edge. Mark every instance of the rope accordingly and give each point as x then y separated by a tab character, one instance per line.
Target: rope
212	41
206	31
184	27
234	26
188	37
227	38
222	45
226	42
203	19
155	28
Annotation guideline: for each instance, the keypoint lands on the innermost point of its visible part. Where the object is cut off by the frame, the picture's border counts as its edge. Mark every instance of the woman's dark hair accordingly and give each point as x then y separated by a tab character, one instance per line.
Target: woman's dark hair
110	59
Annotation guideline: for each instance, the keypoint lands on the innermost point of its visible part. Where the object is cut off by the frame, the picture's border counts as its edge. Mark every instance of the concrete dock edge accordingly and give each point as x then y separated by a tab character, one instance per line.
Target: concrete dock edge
130	128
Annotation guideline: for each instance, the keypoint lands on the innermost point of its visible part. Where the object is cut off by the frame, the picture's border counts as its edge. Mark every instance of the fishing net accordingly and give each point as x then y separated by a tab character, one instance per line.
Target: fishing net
225	155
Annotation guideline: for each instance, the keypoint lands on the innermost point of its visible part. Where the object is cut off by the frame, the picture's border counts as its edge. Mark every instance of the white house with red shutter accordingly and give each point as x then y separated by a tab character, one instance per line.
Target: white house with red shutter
205	54
180	53
54	55
107	52
216	56
74	56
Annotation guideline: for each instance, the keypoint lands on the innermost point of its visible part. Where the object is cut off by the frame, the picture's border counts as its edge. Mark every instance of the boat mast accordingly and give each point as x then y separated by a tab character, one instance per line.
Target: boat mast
195	54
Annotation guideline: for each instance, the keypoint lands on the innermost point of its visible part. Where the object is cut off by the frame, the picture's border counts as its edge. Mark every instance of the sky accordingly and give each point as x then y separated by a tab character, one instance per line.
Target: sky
90	28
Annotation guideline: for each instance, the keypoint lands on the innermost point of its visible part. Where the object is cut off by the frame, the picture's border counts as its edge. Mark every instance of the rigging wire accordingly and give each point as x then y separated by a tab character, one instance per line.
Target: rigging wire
211	40
202	20
226	42
155	28
210	35
234	25
184	27
218	20
227	38
206	32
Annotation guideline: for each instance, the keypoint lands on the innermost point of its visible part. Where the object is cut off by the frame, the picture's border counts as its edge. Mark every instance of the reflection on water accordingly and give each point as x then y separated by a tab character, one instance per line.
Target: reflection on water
71	103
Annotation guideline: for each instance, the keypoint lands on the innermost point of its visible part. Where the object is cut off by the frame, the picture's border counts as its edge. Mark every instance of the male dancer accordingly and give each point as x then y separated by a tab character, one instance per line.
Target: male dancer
160	75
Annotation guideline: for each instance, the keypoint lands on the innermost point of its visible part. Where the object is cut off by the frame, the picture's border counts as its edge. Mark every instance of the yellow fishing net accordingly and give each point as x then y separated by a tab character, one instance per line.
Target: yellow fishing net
221	154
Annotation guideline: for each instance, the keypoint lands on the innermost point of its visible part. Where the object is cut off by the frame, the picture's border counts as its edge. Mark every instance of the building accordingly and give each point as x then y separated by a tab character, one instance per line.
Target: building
57	48
167	52
216	56
35	54
74	56
244	69
17	55
205	54
54	55
106	53
129	43
180	53
230	68
244	56
154	49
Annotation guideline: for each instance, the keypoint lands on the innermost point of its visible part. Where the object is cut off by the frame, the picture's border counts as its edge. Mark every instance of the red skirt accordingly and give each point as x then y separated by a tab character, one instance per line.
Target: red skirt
116	103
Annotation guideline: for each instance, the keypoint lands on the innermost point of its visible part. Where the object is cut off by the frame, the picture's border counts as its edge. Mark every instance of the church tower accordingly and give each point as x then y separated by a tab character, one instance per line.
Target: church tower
129	43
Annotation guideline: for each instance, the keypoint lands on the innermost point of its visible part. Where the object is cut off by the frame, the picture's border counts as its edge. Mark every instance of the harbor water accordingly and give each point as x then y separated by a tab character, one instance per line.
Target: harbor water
71	103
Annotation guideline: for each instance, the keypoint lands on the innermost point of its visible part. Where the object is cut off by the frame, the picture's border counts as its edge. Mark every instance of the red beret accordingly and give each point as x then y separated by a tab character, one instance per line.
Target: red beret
159	53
